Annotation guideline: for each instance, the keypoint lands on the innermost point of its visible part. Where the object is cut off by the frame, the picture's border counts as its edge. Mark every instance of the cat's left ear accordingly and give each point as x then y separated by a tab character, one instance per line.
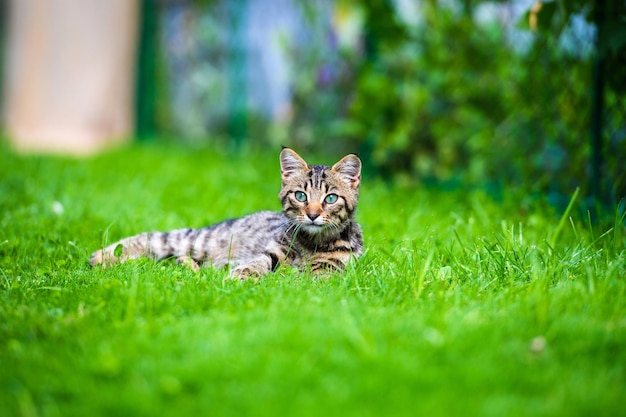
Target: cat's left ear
290	163
349	169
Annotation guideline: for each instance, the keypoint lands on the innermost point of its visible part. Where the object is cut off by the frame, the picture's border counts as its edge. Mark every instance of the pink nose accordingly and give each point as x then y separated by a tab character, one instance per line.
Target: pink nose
312	215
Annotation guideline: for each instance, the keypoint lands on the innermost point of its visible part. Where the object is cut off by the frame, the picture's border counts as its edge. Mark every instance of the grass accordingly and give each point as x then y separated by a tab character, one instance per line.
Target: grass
461	305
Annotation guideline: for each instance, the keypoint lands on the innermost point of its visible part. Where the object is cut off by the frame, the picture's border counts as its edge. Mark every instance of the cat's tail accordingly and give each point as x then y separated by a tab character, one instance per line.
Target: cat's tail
155	245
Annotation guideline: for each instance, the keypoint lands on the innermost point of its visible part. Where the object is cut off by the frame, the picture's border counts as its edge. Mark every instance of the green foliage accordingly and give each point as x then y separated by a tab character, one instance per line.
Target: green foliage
449	96
430	105
553	18
454	97
460	306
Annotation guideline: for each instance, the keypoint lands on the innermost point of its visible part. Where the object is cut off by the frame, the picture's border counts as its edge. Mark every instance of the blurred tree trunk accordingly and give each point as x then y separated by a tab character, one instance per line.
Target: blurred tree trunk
69	76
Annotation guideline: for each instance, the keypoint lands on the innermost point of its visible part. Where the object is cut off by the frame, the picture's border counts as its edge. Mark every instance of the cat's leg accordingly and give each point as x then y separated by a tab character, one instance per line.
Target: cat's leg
253	268
189	262
328	262
257	266
324	268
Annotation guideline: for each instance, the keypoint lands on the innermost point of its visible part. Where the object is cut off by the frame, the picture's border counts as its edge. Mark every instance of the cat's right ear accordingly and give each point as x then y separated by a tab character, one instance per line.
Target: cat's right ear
290	163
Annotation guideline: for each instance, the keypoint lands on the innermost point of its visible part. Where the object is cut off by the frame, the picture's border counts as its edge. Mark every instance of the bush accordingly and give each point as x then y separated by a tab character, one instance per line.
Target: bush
455	98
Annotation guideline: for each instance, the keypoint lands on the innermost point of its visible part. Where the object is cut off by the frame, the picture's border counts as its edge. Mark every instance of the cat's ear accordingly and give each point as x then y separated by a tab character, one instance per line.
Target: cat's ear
290	163
349	169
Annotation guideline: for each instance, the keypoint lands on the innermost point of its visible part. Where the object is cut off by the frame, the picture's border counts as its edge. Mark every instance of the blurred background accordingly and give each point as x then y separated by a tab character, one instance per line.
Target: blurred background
495	93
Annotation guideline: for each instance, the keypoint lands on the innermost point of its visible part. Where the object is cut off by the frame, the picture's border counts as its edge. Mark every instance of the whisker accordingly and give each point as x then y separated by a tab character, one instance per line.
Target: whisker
292	227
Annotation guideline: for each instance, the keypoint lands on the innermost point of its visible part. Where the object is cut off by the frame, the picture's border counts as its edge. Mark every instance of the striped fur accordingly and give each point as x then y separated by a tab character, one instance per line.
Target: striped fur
315	230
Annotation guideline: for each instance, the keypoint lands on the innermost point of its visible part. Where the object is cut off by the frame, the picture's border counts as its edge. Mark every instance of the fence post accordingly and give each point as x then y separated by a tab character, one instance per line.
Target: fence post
597	108
145	88
237	71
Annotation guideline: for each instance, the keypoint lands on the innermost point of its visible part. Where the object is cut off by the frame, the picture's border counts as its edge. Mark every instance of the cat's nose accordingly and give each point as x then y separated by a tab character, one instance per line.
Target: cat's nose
312	215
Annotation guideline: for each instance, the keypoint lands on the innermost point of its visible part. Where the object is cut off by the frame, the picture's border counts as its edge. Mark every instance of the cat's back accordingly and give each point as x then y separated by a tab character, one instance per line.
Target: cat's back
237	239
260	224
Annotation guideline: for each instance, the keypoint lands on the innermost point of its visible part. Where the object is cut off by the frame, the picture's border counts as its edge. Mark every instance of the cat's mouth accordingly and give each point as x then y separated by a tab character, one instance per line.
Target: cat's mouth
312	226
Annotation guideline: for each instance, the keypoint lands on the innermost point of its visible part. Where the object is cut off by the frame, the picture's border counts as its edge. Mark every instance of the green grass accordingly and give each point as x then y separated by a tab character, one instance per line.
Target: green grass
460	306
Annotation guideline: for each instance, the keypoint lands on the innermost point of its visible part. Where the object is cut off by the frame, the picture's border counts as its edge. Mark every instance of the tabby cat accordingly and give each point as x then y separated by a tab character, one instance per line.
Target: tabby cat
315	231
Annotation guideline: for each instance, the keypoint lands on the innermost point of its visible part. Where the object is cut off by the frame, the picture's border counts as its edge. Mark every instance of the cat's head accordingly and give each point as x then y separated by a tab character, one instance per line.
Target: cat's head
318	198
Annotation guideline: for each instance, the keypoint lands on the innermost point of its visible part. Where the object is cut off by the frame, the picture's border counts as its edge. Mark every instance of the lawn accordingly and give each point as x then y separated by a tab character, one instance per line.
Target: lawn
463	304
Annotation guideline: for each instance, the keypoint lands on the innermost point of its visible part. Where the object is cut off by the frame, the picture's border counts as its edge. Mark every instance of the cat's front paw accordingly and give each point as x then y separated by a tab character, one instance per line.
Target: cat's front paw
244	272
189	263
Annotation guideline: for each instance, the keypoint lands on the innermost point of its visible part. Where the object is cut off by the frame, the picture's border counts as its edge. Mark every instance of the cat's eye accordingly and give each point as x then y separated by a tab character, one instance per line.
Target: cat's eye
331	198
300	196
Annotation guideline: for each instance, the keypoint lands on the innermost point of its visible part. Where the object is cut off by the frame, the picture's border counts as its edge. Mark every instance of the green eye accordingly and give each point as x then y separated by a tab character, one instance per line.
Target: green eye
331	198
300	196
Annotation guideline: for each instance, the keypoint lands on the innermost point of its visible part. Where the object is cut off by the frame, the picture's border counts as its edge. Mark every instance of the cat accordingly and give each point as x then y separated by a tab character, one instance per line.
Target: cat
315	231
